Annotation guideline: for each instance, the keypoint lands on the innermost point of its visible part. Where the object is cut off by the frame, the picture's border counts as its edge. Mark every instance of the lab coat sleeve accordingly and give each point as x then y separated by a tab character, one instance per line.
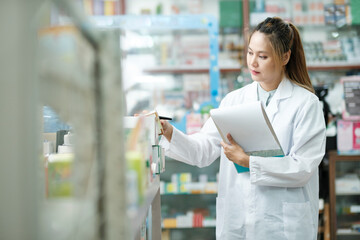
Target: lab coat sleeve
305	155
199	149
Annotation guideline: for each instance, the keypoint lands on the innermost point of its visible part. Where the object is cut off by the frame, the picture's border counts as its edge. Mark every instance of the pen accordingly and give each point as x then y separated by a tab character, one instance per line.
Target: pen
165	118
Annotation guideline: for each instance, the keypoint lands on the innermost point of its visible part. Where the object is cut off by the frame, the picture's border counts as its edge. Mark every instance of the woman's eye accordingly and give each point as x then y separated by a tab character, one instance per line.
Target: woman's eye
263	57
250	53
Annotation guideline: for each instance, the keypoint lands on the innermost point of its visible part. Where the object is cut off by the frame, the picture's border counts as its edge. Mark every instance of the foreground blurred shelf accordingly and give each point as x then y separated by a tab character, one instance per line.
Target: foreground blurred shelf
152	198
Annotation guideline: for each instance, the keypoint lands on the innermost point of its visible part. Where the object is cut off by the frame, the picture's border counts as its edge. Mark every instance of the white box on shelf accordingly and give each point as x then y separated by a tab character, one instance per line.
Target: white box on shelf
349	183
355	208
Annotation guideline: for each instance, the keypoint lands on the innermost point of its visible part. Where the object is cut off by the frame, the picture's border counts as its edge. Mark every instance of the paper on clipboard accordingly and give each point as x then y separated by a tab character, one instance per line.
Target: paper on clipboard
250	127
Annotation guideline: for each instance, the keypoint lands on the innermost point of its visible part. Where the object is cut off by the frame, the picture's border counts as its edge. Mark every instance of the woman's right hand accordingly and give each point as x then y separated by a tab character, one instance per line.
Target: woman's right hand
168	129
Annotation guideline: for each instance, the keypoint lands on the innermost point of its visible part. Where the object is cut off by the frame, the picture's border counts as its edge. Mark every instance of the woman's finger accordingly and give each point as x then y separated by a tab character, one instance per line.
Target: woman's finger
231	140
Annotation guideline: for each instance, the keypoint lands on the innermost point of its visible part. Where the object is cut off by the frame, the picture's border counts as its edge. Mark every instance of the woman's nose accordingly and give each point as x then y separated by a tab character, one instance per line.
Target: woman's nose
253	61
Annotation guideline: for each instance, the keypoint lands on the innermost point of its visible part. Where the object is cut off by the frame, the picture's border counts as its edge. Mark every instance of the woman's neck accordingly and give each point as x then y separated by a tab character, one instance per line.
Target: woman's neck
271	85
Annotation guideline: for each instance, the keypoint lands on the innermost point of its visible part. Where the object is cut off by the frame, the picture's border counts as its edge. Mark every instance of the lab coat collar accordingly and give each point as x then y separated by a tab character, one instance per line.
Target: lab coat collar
283	91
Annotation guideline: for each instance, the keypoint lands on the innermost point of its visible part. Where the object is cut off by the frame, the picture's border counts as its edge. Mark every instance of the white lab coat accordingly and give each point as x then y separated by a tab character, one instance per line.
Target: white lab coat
278	199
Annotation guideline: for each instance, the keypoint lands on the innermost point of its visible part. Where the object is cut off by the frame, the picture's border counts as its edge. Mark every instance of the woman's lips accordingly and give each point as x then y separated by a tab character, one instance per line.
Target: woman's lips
254	72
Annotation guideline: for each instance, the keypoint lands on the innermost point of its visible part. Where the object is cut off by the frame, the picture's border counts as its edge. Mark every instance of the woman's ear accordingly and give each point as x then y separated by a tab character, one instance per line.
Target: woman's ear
286	57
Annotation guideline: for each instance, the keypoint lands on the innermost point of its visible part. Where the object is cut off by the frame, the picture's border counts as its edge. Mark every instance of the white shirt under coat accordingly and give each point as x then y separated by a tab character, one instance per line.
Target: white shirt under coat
278	199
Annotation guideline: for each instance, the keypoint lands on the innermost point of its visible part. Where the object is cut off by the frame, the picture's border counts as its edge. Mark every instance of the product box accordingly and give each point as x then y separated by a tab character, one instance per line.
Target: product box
169	223
329	13
349	183
59	175
348	137
158	159
193	123
351	103
340	14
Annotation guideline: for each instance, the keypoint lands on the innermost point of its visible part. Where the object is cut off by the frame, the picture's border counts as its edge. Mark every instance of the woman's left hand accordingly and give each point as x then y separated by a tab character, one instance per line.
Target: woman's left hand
235	153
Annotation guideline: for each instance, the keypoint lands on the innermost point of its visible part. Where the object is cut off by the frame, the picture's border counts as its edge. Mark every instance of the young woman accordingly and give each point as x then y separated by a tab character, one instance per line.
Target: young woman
278	197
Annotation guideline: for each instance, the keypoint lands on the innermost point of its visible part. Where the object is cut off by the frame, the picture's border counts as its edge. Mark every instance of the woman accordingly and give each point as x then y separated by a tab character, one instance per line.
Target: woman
278	198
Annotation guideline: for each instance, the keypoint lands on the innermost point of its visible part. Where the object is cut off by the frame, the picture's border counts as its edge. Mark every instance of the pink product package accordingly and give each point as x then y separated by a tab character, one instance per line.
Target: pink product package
348	137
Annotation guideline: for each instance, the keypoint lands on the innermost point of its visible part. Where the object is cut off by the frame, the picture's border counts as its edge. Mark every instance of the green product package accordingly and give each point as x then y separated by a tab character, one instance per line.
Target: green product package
59	176
355	6
136	163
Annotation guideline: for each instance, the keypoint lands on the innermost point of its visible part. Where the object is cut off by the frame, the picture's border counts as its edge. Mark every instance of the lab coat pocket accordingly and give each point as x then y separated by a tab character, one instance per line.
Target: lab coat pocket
298	222
220	213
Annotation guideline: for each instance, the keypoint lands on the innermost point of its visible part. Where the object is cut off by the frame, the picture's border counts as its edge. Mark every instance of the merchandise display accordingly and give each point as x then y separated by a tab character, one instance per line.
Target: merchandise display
181	183
109	71
109	151
144	156
170	64
344	51
330	44
344	186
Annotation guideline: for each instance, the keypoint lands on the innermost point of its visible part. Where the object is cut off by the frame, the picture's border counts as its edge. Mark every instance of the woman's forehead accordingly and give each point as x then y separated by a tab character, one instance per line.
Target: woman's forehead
259	42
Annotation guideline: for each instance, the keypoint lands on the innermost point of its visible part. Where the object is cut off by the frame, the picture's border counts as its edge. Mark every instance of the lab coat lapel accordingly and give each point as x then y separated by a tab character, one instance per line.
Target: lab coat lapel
251	94
284	90
272	108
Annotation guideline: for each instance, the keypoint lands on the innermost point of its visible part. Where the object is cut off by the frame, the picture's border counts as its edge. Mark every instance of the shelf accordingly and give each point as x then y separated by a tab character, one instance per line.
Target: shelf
187	69
333	66
138	217
176	194
67	215
207	227
194	69
347	232
348	194
339	219
344	158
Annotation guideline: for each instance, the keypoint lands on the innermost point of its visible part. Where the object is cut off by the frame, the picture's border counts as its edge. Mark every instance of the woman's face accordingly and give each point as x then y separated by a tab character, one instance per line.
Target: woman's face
261	62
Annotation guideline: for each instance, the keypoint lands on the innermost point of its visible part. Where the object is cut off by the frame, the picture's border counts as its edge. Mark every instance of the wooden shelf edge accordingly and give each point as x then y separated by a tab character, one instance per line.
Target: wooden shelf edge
337	157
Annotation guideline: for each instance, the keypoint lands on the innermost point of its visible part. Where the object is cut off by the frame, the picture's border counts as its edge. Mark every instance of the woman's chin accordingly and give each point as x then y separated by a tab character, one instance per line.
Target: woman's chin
256	78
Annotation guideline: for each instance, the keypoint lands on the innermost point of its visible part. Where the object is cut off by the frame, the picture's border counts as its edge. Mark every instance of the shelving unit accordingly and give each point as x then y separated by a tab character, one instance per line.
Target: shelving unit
341	217
81	80
179	228
310	67
147	43
322	72
164	45
179	204
152	203
172	194
324	223
186	69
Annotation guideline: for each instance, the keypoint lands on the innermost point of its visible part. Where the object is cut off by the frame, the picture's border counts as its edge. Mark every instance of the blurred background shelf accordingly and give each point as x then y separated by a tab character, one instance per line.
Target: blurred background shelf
344	213
187	69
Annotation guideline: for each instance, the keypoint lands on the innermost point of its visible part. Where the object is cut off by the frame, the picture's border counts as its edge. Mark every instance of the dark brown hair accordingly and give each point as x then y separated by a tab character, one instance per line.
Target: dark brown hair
283	37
